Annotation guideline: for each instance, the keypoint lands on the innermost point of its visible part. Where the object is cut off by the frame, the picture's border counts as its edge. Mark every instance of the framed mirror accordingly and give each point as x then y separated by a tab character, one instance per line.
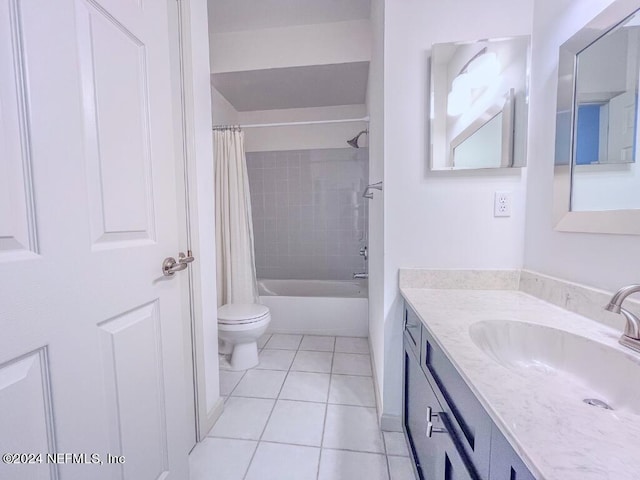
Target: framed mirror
479	104
597	171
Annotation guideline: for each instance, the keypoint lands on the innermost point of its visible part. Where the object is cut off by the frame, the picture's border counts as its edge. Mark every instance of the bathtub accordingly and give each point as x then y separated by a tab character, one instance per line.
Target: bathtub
316	307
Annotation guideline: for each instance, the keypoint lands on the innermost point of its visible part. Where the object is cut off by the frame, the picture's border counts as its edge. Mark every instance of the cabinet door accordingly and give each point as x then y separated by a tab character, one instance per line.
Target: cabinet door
505	463
418	396
452	463
470	423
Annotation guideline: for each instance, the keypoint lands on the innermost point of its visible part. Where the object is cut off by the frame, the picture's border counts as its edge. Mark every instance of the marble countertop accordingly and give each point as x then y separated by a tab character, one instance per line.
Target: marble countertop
557	435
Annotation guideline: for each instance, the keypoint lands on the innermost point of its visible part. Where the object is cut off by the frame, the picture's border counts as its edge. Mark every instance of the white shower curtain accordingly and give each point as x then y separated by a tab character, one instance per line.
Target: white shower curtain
236	268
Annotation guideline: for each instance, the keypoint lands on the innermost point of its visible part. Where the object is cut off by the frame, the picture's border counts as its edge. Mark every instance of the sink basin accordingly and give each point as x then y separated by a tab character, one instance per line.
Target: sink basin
585	367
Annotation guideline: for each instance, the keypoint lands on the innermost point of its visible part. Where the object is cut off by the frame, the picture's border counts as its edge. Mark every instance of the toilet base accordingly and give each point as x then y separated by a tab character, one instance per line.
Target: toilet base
244	356
224	348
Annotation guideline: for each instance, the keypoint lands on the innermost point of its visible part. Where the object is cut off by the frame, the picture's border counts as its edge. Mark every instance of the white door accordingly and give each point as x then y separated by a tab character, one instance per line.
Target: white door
621	128
91	352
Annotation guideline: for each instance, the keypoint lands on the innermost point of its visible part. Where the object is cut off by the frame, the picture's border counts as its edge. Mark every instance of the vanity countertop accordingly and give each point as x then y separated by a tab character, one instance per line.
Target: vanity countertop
556	434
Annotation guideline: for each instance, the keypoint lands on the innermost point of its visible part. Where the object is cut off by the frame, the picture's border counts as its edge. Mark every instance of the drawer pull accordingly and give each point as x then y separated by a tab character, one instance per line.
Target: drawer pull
430	428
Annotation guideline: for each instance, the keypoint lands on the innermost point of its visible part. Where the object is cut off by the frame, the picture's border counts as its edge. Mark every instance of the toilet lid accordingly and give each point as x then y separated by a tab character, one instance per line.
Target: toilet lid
242	313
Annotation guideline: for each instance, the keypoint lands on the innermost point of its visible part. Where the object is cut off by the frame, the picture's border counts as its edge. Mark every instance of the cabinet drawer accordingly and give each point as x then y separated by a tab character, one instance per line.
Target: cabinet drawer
470	422
412	330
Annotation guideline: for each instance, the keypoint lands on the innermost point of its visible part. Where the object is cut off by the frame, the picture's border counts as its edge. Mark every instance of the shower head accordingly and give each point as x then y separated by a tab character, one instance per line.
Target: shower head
354	141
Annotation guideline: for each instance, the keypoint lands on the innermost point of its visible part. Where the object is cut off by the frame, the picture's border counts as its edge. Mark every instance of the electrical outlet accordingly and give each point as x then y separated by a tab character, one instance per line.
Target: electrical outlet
502	204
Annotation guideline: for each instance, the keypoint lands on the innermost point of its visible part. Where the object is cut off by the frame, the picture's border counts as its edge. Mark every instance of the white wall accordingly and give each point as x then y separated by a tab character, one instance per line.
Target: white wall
604	261
339	42
437	219
222	112
375	105
302	137
297	137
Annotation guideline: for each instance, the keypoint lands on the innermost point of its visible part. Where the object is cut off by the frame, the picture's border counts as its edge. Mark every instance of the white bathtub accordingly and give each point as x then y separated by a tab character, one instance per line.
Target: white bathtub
317	307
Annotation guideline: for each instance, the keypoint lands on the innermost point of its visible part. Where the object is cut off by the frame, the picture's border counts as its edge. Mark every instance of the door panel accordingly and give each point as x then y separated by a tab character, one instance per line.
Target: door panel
17	214
116	122
87	139
25	392
131	348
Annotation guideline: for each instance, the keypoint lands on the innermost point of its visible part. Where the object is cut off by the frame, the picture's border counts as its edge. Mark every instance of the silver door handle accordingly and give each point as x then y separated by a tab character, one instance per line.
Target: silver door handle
170	265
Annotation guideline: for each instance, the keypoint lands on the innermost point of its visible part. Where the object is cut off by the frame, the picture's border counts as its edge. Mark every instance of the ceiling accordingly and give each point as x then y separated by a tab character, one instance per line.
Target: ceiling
294	87
238	15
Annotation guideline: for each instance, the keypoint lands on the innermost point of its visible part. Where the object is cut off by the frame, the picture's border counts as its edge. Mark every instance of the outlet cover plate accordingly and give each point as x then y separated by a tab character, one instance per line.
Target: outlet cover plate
502	204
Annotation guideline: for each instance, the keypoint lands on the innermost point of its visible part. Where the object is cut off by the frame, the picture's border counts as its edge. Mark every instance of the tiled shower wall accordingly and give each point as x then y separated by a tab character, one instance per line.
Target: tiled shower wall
309	217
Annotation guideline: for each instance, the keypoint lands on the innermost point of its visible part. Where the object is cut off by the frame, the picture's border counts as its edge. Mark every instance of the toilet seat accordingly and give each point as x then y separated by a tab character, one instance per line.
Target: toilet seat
242	313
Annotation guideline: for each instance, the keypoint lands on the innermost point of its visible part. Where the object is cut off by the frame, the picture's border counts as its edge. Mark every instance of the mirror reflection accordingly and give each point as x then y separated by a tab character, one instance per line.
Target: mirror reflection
604	168
479	104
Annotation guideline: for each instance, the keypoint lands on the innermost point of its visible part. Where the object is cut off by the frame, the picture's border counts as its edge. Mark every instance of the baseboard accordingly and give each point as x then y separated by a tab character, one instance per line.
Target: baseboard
212	417
391	423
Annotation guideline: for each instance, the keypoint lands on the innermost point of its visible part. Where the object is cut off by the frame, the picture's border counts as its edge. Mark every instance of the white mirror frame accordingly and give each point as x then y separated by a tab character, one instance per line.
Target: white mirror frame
607	221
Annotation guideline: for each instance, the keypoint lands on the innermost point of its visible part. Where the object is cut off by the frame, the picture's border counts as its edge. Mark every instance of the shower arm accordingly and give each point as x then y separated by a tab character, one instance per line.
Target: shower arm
367	191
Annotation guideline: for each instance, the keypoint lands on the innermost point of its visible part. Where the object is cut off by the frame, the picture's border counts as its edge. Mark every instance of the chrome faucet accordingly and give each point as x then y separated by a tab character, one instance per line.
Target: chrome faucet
360	275
631	336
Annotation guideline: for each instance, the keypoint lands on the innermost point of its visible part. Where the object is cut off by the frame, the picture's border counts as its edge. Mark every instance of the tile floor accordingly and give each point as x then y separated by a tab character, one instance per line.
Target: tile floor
307	412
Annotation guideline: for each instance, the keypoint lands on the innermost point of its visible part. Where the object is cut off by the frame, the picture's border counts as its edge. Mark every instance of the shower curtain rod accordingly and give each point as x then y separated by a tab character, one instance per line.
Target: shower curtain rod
288	124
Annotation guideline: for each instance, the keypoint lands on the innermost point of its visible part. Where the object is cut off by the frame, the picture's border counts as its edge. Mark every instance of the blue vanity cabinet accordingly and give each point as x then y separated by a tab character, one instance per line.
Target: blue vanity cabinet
412	331
462	442
418	398
470	421
505	462
437	454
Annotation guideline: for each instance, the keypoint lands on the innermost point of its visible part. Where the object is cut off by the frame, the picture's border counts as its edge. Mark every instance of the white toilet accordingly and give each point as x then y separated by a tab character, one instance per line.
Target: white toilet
239	327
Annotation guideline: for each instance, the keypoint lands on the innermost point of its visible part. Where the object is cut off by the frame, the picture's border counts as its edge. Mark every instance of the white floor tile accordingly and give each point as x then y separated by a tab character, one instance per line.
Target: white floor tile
220	459
396	444
295	422
229	380
352	345
243	418
352	390
341	465
352	428
312	362
260	383
351	364
284	342
401	468
318	343
275	359
262	341
274	461
312	387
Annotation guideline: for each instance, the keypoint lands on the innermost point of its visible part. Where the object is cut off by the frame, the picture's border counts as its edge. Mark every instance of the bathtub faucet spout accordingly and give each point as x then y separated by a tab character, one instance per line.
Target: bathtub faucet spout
360	275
